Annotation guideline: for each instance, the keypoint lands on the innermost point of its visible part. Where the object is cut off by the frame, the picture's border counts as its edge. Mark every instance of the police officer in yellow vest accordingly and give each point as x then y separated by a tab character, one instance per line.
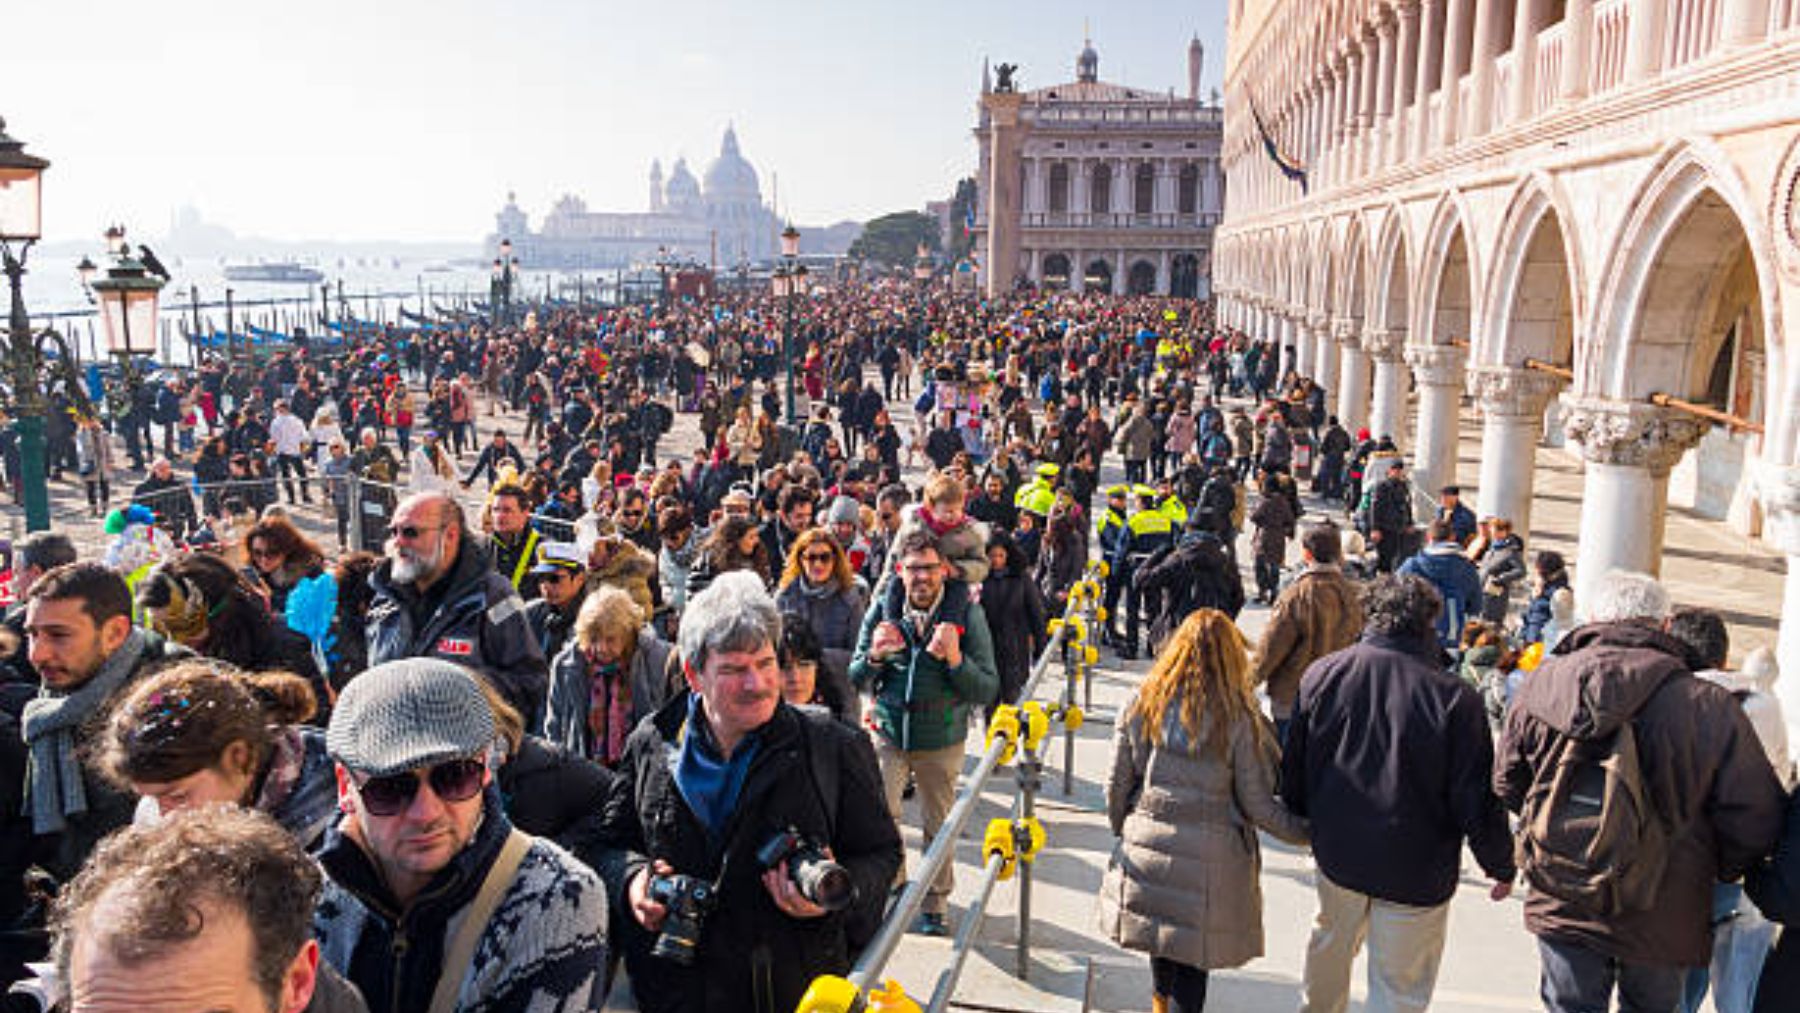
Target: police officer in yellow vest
1042	484
1110	528
1148	531
515	540
1172	504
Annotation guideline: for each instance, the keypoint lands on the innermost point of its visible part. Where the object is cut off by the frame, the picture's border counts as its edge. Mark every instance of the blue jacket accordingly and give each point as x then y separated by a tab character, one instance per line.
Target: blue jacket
1457	582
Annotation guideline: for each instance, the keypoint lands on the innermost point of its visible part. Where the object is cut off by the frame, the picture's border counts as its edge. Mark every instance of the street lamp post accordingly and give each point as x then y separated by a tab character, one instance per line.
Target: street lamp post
500	292
129	298
789	278
922	275
21	223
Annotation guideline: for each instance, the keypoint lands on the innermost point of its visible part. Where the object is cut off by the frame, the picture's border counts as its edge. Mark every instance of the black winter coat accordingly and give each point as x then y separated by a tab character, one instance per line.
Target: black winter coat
548	793
1017	622
1775	887
1197	573
747	939
1389	817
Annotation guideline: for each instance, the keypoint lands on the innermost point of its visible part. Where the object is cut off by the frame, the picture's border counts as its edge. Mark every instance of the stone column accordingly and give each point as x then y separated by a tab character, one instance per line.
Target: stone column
1744	22
1406	67
1388	408
1526	16
1578	45
1438	371
1481	68
1512	419
1353	378
1330	126
1431	18
1303	346
1003	198
1455	55
1778	487
1325	359
1382	141
1644	41
1628	449
1365	118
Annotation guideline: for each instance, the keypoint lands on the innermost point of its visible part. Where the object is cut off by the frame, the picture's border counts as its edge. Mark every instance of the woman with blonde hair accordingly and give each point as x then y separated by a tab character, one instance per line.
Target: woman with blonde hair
201	732
819	585
613	674
1193	778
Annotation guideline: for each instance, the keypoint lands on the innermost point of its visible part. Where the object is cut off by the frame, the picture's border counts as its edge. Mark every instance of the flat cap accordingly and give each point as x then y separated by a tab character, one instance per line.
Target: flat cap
409	713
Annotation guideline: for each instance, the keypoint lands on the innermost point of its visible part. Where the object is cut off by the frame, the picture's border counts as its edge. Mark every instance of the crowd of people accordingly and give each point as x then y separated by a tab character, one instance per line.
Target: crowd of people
593	709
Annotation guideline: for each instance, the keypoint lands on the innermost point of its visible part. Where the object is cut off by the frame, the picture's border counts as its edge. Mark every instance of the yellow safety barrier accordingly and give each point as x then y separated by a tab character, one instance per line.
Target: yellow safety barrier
1005	724
1036	721
998	840
1055	626
1071	716
829	993
1093	655
1031	838
1100	613
889	997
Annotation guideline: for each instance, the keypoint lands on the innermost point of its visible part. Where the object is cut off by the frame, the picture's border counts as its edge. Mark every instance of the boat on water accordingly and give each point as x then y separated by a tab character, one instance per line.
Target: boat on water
278	272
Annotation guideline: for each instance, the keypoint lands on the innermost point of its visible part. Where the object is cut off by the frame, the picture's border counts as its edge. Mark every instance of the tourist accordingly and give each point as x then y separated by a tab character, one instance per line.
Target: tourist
1017	616
819	586
1456	580
612	675
281	557
1194	763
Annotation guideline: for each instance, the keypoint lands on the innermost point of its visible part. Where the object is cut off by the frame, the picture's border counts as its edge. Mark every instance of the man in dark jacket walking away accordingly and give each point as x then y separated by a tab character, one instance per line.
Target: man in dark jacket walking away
1390	813
1714	805
437	595
710	786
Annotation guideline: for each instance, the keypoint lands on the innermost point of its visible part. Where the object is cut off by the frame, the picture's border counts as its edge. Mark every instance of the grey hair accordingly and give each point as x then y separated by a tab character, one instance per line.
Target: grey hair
734	613
1402	605
1622	595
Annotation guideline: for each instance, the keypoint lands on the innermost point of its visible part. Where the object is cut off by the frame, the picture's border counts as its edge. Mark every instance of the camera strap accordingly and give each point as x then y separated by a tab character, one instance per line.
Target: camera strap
461	951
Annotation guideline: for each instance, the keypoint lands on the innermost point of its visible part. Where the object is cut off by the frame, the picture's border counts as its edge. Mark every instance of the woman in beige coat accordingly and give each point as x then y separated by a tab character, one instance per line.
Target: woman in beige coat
1193	778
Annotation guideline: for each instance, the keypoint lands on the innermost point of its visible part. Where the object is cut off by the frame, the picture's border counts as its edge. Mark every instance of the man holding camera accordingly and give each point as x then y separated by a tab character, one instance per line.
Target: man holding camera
747	839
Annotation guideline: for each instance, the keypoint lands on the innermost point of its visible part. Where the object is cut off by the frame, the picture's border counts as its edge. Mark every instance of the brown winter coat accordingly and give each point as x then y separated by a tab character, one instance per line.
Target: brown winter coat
1701	761
630	569
1320	612
1184	880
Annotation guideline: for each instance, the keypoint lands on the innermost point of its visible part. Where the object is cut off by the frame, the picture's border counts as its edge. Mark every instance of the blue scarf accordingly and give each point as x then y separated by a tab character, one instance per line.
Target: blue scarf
708	782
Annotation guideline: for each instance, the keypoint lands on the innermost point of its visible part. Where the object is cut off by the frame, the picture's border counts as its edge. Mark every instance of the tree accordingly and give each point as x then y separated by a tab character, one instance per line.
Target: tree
893	240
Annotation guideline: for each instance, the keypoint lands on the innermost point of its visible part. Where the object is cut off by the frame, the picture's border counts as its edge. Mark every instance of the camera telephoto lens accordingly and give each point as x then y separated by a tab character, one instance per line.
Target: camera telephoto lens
824	882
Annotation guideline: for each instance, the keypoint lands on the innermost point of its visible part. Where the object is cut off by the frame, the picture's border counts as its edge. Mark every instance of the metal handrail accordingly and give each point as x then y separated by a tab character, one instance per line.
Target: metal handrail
844	994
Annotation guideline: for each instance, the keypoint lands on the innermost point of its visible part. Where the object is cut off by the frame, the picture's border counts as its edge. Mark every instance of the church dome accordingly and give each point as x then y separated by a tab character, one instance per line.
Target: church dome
1087	65
682	189
731	177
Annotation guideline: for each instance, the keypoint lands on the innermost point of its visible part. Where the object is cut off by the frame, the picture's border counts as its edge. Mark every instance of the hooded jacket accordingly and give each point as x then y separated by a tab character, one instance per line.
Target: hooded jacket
1458	583
1705	772
479	621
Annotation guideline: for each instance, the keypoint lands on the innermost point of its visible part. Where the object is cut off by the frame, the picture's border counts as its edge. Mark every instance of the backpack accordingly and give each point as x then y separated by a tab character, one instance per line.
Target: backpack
1589	832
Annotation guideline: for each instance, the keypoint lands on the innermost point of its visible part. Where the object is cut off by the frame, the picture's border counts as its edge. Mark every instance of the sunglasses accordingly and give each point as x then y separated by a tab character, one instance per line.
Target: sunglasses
454	781
817	557
408	531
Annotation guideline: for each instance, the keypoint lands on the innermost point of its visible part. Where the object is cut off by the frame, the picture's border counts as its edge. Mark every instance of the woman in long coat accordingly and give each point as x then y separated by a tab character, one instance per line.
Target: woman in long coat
1193	778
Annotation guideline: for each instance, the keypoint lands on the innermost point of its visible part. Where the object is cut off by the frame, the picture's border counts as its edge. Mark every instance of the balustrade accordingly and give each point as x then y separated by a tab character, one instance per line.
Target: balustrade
1693	31
1547	82
1612	26
1502	94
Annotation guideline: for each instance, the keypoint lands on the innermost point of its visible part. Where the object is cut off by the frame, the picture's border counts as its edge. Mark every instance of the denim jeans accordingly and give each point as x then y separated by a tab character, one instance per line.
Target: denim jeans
1741	940
1576	979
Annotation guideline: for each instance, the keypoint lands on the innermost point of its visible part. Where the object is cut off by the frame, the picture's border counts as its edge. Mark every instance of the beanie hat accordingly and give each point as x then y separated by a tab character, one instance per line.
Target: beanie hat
844	510
409	713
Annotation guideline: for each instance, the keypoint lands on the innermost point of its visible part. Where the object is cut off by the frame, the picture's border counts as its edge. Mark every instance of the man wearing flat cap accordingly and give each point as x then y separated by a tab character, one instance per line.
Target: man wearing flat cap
434	901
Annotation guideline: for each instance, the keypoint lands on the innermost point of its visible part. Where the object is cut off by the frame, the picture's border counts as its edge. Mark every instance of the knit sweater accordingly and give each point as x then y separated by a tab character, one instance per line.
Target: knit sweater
543	950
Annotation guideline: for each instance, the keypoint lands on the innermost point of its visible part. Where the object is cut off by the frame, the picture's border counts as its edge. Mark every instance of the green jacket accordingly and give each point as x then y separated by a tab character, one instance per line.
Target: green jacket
922	704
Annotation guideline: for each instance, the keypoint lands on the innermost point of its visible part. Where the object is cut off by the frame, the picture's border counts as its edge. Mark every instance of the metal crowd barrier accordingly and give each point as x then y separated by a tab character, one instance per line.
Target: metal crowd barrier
1009	846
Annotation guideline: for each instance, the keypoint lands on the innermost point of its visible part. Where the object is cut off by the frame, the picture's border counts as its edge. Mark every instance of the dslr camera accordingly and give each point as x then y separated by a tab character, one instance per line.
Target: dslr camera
818	878
689	901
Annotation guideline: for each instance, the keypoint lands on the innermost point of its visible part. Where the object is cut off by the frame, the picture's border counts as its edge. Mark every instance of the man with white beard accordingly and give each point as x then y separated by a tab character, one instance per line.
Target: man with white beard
437	595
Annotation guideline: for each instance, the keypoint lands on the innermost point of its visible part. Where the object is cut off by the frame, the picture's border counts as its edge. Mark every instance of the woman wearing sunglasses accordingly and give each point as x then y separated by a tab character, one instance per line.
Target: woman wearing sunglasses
204	733
819	585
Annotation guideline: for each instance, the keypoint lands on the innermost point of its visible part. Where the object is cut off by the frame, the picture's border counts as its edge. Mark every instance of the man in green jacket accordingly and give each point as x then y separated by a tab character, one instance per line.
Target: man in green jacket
924	675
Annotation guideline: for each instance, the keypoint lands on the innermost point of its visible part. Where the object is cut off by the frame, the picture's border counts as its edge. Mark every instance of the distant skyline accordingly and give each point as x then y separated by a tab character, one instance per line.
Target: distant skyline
410	120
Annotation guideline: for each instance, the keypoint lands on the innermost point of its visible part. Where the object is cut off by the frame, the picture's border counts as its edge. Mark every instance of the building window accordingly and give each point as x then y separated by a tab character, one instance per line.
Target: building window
1143	199
1188	190
1059	187
1100	197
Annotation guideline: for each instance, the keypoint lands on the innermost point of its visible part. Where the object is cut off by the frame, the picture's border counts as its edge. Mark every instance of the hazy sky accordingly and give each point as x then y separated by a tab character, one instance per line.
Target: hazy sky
410	119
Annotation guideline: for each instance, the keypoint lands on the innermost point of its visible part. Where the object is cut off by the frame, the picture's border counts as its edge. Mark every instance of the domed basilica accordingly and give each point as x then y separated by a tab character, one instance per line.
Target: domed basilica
722	223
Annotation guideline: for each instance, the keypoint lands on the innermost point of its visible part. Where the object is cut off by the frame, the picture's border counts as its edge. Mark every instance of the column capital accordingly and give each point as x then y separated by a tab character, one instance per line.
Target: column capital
1407	10
1437	365
1630	433
1778	489
1513	392
1318	321
1384	345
